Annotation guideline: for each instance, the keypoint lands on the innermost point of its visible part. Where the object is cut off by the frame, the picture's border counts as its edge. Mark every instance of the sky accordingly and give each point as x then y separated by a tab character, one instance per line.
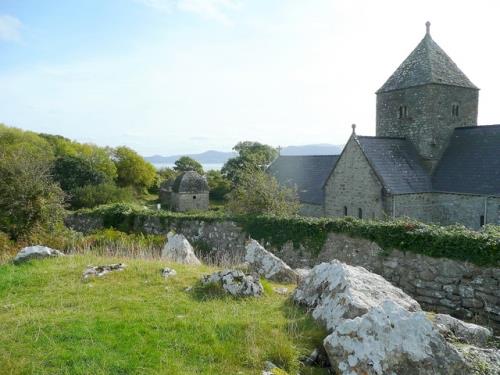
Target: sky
184	76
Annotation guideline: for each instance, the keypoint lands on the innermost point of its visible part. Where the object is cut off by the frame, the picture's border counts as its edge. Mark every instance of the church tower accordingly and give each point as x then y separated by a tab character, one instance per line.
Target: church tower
425	99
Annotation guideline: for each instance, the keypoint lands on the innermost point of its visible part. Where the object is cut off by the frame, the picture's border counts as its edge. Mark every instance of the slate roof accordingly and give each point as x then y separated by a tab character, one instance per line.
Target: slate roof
190	182
396	163
428	63
307	173
471	162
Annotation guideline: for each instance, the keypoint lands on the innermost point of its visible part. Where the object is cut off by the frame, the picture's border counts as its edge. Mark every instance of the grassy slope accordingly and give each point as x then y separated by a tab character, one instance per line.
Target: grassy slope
135	322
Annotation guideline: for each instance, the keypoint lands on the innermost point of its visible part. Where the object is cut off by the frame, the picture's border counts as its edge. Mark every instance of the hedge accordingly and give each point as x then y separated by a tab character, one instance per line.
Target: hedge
453	242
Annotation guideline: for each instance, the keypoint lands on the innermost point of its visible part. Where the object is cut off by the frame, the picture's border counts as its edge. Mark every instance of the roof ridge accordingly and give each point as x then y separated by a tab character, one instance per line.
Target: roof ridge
380	137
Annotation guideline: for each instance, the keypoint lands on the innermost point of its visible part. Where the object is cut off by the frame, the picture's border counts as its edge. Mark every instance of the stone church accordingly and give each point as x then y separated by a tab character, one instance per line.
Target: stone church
429	159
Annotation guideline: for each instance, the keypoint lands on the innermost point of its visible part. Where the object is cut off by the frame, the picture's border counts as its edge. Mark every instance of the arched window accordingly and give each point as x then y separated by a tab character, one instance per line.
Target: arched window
345	210
454	110
360	213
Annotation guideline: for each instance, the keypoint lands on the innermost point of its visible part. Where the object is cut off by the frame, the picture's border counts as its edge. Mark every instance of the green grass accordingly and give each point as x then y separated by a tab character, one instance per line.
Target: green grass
135	322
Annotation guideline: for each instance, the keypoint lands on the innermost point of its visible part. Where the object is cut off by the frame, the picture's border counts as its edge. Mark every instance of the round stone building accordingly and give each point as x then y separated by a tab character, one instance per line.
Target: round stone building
188	192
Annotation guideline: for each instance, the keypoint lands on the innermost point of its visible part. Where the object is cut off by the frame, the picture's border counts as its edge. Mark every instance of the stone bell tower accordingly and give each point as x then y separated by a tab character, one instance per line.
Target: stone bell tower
425	99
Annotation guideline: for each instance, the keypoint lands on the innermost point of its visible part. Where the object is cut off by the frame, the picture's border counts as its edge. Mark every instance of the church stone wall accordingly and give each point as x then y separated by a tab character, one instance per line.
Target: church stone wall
354	185
448	208
429	122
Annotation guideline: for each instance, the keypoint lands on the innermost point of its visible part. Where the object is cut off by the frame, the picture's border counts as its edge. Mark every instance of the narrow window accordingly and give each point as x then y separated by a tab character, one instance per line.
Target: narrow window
481	221
454	110
345	210
403	112
360	213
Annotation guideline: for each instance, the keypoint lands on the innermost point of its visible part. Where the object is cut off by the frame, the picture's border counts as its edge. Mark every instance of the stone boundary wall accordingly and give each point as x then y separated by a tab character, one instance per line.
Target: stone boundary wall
461	289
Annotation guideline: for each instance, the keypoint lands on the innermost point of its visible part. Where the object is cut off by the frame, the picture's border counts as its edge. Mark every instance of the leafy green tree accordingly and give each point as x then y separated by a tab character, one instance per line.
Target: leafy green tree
90	196
72	172
259	193
132	169
252	157
218	184
185	163
29	198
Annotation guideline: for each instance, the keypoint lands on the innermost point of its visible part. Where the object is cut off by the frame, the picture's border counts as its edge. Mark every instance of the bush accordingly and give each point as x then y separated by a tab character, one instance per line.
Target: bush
95	195
28	196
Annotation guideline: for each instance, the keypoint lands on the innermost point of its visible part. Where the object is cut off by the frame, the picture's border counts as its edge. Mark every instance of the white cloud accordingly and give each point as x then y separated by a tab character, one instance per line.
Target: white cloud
209	9
10	28
161	5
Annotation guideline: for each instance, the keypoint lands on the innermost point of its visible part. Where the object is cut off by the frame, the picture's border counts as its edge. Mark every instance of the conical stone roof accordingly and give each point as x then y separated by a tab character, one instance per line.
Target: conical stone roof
427	64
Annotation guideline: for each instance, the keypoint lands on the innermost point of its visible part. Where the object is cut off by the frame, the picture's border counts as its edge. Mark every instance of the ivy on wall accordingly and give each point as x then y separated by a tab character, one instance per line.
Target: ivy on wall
454	242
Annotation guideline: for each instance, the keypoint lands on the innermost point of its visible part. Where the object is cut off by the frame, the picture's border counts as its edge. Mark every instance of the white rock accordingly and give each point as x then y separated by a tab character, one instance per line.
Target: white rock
481	361
337	291
268	265
99	271
36	252
467	332
167	272
235	283
179	250
389	339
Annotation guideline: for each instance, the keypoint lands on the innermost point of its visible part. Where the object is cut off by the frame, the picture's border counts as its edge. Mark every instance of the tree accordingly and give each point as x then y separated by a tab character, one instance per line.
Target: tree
132	169
218	184
29	199
260	193
73	172
252	157
185	163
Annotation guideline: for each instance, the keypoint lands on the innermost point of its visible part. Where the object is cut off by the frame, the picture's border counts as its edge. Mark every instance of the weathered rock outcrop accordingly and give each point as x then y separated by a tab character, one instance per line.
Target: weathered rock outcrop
481	361
235	283
267	265
337	291
458	329
389	339
99	271
36	252
179	250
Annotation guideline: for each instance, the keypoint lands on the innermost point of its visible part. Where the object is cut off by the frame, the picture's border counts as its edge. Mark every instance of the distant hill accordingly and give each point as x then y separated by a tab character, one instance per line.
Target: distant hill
220	157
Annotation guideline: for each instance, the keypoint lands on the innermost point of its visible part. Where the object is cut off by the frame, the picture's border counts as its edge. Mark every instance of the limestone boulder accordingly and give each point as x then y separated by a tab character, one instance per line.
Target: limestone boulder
481	361
36	252
99	271
179	250
336	291
236	283
268	265
168	272
458	329
389	339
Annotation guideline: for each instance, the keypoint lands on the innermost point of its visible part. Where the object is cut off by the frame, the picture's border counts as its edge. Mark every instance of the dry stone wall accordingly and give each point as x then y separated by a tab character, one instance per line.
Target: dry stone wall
457	288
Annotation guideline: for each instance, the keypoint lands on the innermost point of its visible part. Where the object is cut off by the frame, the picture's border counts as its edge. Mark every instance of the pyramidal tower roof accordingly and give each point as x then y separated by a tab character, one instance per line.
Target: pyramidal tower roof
428	63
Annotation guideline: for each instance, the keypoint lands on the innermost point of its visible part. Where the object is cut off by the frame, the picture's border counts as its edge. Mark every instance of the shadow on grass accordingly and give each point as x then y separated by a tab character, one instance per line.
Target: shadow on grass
208	292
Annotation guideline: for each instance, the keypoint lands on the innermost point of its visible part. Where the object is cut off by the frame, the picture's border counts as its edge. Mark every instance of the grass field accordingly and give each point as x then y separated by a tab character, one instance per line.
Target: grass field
136	322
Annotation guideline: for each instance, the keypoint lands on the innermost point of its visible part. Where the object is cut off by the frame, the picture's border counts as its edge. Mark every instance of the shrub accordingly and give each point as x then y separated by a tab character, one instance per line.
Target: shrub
90	196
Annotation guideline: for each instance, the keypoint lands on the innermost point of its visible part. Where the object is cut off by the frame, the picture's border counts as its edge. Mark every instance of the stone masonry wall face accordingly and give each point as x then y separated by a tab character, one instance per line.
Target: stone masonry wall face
313	210
189	201
448	209
354	185
430	123
443	285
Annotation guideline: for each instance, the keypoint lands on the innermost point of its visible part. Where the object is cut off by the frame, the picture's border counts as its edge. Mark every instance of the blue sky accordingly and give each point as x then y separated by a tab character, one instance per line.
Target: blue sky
181	76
